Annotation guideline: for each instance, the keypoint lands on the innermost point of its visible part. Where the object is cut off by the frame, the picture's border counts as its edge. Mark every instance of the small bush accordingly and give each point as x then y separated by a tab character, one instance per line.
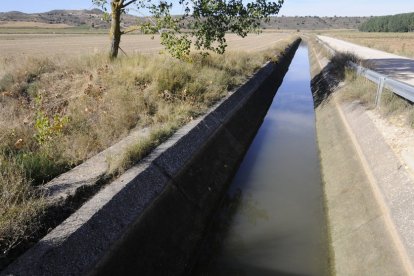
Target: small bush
18	82
142	148
41	167
339	62
360	89
393	104
6	81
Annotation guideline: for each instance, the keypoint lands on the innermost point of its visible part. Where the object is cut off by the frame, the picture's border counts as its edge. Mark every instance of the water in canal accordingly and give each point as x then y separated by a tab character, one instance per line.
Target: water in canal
272	221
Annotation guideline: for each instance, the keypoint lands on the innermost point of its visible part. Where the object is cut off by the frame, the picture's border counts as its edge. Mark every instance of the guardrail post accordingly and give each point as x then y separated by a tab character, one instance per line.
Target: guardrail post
379	91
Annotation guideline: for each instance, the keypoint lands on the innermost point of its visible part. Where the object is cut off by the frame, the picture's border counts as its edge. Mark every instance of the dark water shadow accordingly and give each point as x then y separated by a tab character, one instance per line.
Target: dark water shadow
220	229
244	269
325	83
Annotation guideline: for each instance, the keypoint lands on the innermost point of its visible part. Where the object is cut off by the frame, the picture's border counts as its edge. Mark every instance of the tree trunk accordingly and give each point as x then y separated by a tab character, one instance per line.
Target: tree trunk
115	34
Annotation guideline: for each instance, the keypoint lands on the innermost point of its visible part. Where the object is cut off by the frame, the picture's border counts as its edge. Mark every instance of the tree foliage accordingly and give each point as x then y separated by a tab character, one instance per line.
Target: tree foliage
392	23
209	20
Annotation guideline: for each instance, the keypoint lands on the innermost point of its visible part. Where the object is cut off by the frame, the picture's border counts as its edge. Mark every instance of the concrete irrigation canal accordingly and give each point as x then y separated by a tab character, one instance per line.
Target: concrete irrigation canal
269	182
273	215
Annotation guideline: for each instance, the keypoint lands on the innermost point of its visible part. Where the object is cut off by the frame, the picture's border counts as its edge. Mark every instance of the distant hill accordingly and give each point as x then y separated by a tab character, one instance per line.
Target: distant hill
75	18
314	22
93	18
393	23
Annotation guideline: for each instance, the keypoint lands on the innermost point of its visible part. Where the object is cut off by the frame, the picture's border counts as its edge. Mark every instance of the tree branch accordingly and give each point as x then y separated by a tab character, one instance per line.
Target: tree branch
128	3
131	29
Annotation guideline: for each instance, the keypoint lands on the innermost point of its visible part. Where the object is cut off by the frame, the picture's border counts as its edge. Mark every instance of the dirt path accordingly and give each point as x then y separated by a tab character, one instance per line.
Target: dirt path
394	66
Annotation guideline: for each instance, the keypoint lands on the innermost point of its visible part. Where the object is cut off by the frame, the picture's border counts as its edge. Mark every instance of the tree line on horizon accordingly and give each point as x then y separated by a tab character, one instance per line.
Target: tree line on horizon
390	23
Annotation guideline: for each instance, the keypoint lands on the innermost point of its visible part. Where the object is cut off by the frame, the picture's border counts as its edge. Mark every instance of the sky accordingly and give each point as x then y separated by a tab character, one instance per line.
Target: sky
290	7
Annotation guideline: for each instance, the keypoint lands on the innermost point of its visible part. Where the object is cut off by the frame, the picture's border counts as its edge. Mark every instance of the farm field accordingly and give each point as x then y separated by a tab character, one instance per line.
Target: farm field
17	45
396	43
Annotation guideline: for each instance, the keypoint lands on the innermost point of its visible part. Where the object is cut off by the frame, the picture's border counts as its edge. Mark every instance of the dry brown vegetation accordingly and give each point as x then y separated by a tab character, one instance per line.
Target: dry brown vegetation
57	112
391	105
397	43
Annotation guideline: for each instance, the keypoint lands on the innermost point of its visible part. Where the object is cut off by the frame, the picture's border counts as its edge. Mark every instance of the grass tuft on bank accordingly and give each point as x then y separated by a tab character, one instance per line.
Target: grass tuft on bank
56	113
391	105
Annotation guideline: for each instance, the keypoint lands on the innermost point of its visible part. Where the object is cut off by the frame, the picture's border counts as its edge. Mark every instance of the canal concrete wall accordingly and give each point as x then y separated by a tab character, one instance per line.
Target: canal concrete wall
360	175
150	220
361	242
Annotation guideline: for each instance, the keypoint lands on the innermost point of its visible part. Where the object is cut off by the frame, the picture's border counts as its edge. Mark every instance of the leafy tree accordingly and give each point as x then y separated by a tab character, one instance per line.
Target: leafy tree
209	21
392	23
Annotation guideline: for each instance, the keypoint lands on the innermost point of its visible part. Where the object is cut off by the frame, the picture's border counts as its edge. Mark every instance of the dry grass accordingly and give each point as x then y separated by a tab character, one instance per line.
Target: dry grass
397	43
20	204
393	105
360	89
56	113
143	147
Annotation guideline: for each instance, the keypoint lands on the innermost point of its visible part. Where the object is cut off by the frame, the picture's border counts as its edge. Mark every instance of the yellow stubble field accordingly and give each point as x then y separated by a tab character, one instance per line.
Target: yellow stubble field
15	45
396	43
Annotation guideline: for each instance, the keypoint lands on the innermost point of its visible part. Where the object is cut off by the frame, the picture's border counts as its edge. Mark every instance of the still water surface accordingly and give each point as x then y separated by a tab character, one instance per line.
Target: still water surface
272	221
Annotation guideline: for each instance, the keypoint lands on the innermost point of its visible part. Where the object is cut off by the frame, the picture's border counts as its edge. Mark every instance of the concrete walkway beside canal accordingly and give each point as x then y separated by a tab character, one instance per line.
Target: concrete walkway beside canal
361	240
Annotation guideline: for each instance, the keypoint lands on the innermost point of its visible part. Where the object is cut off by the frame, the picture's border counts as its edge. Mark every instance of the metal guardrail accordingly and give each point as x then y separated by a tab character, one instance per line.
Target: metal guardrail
401	89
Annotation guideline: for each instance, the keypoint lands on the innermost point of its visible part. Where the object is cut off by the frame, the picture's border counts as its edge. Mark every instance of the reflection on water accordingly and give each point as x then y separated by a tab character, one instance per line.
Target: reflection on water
272	221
